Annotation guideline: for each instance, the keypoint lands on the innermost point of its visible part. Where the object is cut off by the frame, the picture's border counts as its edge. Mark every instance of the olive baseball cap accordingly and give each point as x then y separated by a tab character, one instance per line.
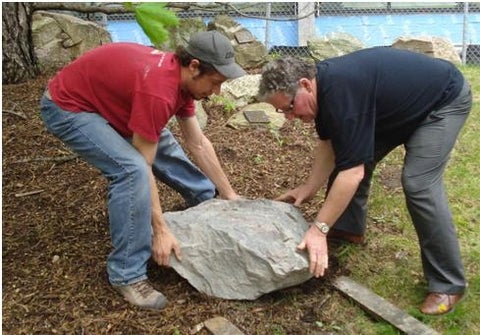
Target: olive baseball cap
214	48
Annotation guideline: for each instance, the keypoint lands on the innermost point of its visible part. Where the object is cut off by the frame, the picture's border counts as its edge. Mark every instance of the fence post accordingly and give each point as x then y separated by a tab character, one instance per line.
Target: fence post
465	33
268	14
306	26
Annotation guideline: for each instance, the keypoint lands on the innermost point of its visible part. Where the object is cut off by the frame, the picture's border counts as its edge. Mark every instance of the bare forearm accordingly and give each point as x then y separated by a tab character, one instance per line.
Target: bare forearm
323	164
208	162
158	222
340	195
204	155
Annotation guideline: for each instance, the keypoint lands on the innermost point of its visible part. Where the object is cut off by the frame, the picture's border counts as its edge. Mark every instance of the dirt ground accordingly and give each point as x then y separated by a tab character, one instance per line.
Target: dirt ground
56	237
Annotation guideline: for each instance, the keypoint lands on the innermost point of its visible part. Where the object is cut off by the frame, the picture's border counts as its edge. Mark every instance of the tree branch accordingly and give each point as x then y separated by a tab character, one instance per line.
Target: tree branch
113	7
119	8
83	7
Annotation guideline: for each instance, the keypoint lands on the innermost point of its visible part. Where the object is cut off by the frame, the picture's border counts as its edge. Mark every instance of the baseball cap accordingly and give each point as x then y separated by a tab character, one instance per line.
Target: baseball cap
214	48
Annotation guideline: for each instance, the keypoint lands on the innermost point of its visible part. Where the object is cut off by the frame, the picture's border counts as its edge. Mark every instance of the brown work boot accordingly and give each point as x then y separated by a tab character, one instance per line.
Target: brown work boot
345	236
142	294
439	303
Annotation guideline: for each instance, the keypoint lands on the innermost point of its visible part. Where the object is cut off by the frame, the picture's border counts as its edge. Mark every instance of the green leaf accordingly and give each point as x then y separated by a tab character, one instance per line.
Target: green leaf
153	17
129	5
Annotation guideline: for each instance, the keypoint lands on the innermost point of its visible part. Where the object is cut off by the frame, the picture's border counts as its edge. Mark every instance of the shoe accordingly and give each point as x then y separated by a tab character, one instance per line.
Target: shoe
439	303
344	236
142	294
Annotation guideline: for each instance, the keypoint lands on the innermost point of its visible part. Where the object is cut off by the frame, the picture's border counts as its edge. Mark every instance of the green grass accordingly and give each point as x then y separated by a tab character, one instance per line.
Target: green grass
390	263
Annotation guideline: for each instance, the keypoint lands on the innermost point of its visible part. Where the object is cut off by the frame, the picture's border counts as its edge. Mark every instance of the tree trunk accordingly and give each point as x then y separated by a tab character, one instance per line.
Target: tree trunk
18	57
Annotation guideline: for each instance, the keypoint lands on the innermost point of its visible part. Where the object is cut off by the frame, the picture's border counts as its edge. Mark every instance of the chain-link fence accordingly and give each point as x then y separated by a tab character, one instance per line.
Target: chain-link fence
285	27
381	23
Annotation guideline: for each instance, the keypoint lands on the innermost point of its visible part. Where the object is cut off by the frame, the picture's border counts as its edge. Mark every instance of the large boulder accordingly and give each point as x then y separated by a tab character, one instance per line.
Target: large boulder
180	35
249	52
333	45
240	249
241	90
58	39
437	47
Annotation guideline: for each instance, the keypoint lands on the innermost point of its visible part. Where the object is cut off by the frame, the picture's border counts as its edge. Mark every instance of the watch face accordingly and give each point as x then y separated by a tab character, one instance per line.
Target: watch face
322	226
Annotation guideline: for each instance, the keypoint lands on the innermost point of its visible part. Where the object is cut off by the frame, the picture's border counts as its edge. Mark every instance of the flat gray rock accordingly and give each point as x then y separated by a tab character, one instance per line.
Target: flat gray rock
240	249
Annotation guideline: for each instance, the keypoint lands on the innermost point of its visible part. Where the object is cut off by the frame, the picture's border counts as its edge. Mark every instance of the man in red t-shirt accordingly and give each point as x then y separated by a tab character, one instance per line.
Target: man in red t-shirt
111	106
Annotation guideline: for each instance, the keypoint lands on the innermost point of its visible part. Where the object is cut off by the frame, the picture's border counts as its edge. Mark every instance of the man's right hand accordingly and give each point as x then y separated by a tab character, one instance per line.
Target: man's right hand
162	244
297	195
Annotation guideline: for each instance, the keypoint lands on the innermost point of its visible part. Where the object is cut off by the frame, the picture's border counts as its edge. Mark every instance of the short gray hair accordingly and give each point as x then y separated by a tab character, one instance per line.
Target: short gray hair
282	75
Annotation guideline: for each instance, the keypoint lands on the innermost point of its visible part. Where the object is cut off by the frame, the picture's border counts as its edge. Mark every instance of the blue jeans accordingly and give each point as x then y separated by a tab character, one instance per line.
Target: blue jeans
129	204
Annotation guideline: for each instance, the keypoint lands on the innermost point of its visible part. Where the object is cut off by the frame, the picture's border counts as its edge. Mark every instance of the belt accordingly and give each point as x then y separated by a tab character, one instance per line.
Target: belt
47	94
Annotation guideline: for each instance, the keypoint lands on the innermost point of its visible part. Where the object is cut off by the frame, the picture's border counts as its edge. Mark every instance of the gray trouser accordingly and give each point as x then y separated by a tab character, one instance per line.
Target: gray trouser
426	154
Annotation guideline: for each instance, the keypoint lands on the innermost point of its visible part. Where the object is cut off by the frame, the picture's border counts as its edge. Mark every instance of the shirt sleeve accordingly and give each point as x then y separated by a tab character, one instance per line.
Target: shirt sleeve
187	109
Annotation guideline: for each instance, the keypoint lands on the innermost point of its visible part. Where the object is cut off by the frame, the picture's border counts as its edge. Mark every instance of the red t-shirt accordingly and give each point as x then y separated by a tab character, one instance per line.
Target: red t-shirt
134	87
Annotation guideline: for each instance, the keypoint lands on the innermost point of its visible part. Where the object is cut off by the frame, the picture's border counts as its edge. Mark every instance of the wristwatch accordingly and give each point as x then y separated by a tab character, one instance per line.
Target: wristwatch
322	226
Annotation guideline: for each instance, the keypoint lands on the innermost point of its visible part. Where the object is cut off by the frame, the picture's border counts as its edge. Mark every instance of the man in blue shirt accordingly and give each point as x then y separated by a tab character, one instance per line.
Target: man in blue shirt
364	105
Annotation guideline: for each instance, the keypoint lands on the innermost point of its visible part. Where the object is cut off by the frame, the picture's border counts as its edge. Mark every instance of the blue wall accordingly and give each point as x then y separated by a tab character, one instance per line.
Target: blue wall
372	30
375	30
127	31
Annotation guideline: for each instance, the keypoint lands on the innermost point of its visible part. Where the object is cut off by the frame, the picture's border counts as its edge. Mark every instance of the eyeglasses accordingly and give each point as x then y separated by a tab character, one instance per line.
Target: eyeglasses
290	107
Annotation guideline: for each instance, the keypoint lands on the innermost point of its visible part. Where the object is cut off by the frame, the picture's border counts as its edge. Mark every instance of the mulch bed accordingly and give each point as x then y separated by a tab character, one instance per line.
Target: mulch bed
56	237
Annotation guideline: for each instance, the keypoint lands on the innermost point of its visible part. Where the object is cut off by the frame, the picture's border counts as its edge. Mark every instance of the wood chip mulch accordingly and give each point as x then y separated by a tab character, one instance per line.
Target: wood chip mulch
56	237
